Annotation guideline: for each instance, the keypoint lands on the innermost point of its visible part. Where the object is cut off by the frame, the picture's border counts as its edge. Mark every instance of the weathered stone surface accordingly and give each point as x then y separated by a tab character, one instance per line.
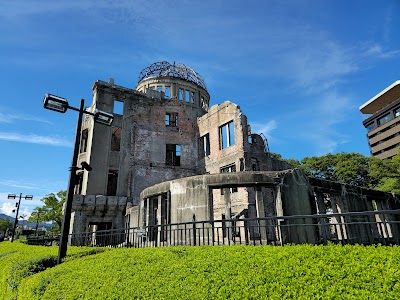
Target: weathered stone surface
101	200
112	200
90	200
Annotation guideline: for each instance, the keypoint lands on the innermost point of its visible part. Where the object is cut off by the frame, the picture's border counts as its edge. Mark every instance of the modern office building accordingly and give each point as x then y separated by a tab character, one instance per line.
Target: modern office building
384	123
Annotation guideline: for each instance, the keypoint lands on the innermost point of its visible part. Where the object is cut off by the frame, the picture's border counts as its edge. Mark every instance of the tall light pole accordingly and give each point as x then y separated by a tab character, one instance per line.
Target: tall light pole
61	105
38	211
13	196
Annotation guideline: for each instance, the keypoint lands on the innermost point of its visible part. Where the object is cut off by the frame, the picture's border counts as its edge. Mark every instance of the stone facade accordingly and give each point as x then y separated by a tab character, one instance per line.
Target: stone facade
169	157
165	130
276	193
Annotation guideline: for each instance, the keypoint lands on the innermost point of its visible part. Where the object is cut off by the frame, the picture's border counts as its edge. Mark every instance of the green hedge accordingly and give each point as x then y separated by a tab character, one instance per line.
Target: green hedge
18	260
224	272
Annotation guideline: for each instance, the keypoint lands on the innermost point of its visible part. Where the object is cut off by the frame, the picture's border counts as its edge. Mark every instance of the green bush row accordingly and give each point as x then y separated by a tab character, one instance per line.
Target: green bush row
18	261
224	272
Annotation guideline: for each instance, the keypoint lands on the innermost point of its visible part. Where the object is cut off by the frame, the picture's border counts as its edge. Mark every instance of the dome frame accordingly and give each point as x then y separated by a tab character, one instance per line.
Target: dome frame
165	69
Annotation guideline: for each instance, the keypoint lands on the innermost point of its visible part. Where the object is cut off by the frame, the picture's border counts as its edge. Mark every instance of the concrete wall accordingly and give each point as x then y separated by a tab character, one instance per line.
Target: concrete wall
141	160
95	210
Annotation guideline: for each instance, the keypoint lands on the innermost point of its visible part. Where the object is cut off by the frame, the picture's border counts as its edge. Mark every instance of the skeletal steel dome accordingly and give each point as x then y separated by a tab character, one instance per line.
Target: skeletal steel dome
181	71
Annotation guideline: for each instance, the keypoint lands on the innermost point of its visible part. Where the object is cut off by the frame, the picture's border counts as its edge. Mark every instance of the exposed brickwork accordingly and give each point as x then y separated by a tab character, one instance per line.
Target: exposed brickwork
151	151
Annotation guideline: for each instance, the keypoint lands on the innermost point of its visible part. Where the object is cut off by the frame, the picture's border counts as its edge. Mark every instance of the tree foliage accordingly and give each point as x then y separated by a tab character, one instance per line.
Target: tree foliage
51	211
5	224
355	169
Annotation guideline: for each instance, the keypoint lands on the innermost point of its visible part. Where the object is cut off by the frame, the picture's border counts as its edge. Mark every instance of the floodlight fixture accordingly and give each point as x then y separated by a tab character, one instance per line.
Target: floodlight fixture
11	196
103	118
86	166
55	103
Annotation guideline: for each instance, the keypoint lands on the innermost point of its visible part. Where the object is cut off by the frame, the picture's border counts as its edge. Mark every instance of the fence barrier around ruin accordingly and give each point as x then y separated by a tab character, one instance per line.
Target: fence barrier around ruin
43	240
369	227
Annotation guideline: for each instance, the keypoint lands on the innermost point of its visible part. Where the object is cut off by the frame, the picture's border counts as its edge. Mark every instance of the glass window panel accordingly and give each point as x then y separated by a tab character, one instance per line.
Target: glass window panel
384	119
371	127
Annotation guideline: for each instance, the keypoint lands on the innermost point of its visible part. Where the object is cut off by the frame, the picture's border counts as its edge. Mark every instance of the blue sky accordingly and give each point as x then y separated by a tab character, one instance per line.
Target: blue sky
298	69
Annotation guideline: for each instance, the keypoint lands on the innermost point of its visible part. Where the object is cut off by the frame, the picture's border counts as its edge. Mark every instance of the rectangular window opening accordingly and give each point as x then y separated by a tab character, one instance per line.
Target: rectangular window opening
84	140
226	133
181	94
173	155
202	102
112	183
167	94
386	118
204	145
171	119
229	169
116	138
371	127
191	97
187	96
78	187
118	107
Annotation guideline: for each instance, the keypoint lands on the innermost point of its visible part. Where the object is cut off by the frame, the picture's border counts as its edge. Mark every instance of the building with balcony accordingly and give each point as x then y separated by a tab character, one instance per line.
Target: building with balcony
383	124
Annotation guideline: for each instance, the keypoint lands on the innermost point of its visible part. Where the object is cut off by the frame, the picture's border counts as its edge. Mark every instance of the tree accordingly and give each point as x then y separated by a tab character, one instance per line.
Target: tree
52	209
355	169
388	174
5	224
37	216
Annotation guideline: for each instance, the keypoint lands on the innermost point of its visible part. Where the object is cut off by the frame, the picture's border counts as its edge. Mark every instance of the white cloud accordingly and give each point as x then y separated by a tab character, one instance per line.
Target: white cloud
264	128
7	208
34	139
312	60
26	8
15	184
119	10
8	205
317	124
377	51
10	118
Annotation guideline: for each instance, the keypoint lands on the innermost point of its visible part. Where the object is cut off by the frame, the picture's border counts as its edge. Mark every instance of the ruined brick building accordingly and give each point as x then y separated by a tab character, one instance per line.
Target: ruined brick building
163	129
169	157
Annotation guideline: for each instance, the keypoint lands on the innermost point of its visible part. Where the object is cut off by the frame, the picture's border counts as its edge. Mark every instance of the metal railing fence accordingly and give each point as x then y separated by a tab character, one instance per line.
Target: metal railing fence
369	227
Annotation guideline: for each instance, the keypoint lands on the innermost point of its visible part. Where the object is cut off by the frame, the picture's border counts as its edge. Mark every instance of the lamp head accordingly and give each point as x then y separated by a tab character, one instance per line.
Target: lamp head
103	117
55	103
86	166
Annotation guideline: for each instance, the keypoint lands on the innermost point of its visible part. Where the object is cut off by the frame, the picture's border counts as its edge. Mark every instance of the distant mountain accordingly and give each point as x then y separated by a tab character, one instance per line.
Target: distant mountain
24	222
3	216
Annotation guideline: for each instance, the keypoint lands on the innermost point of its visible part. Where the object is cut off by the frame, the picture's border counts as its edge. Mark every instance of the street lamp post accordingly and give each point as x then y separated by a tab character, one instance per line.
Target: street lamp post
38	212
13	196
61	105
